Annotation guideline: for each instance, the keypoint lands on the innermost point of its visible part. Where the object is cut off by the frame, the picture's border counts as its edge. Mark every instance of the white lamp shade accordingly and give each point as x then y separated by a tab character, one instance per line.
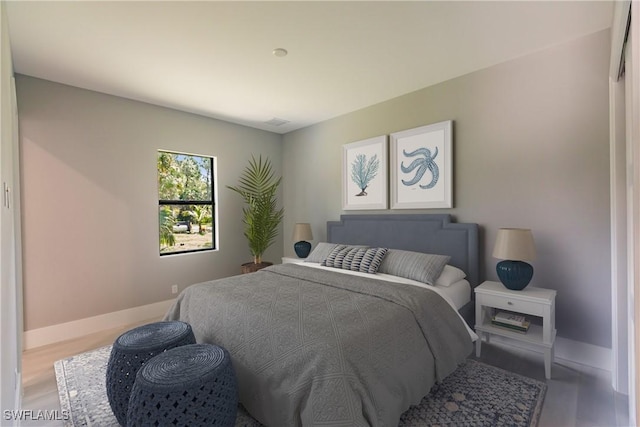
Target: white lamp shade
515	244
302	232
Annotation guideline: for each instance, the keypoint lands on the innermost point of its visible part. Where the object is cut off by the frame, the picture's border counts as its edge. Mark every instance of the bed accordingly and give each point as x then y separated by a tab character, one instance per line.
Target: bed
319	345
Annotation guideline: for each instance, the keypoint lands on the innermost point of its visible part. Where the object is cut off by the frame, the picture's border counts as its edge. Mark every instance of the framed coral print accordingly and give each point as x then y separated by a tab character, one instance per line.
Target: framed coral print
364	174
422	167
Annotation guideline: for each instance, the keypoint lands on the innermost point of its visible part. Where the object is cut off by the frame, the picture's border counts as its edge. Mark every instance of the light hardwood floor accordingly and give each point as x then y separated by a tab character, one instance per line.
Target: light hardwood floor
577	395
40	391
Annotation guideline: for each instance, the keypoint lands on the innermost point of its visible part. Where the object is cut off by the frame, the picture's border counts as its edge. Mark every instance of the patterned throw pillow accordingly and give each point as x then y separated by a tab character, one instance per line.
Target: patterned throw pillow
349	256
330	260
366	260
372	259
358	255
339	257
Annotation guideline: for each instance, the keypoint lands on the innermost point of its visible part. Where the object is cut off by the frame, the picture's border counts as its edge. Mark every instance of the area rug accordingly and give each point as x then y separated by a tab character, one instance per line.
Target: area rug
476	394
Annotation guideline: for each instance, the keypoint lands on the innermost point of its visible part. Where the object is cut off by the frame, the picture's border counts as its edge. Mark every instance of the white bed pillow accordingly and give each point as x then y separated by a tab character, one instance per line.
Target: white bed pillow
450	275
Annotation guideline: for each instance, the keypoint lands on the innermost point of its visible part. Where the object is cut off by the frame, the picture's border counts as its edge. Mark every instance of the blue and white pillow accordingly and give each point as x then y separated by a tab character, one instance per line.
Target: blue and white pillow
372	260
334	255
363	259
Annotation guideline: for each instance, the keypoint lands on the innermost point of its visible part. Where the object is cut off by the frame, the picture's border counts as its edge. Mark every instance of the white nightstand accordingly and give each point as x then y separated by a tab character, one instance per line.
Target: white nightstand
291	260
533	301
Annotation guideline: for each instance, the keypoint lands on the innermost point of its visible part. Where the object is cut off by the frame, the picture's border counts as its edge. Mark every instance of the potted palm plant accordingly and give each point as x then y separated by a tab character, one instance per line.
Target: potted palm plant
261	217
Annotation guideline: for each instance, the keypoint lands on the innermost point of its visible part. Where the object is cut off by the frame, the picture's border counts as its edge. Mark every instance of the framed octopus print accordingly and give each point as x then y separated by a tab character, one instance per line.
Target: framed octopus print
421	162
364	174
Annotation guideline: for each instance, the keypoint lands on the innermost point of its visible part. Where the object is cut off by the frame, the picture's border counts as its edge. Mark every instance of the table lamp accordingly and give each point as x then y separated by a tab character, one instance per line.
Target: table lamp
514	246
302	233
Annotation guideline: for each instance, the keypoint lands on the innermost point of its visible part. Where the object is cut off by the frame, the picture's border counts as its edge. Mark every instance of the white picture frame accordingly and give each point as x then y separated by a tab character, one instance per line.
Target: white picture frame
421	163
365	161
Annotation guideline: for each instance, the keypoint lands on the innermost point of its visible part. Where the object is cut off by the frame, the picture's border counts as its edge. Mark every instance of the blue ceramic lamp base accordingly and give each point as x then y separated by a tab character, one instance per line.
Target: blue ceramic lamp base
514	275
302	249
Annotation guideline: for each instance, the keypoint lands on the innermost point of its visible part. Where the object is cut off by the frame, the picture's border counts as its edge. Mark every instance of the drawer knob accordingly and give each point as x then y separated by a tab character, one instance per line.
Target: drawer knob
509	302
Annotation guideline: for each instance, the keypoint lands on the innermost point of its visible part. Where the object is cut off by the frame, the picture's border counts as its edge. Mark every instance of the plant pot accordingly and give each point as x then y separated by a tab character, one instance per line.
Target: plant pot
251	267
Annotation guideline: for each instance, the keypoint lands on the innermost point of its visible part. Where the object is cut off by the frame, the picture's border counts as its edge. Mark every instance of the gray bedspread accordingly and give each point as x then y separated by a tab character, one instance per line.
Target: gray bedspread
319	348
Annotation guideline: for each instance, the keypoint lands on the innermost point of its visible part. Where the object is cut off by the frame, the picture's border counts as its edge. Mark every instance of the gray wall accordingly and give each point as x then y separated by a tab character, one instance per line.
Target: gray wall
531	149
90	200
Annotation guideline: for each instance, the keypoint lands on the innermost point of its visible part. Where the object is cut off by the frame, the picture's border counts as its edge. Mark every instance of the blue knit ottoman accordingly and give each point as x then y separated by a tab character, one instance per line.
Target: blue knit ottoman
132	350
192	385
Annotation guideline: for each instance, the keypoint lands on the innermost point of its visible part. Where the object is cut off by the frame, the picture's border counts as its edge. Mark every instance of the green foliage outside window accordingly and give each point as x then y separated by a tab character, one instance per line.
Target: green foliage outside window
185	195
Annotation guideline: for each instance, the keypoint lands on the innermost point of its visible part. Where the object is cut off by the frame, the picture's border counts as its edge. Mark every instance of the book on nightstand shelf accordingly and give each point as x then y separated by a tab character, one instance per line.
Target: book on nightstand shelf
509	318
516	328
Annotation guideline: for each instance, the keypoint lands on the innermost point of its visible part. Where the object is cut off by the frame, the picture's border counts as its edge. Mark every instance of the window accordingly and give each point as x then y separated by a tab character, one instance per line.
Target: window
186	208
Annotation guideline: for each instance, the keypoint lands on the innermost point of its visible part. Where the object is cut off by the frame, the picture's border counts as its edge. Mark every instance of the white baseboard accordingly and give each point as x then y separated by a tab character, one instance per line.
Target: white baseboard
584	353
571	351
78	328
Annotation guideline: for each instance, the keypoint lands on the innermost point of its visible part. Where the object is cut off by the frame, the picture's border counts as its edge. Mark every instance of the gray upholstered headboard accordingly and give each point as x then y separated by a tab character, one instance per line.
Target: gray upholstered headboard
428	233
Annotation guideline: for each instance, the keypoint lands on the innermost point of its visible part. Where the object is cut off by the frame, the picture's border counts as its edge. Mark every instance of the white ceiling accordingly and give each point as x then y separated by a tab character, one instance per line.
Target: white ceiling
215	58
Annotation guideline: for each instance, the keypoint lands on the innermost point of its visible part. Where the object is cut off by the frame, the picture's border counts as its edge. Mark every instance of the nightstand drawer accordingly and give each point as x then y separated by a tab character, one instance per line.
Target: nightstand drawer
512	304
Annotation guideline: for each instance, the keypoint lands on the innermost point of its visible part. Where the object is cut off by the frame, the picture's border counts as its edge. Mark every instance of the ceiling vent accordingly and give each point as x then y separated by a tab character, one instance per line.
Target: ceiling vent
276	122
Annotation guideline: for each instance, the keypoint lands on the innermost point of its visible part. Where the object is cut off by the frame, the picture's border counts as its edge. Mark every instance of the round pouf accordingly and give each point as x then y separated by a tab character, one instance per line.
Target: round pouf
192	385
133	349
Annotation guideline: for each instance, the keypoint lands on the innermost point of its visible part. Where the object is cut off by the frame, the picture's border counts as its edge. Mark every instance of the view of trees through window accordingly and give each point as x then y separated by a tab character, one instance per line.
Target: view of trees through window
185	203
